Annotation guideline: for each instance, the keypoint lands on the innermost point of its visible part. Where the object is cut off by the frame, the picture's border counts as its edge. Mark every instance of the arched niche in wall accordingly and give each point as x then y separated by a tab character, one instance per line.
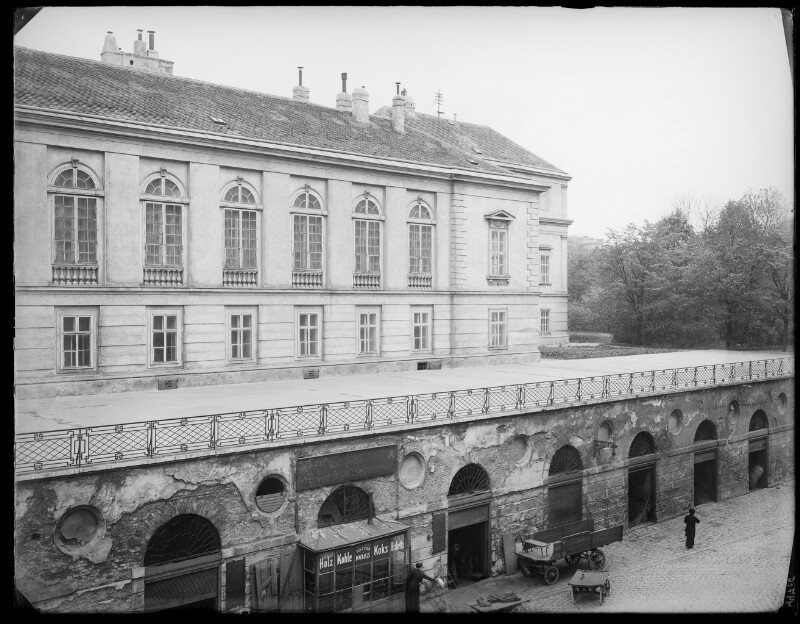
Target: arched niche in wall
347	503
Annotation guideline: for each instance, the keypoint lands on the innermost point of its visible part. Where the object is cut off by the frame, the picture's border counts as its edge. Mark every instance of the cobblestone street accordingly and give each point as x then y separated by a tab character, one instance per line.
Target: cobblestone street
739	564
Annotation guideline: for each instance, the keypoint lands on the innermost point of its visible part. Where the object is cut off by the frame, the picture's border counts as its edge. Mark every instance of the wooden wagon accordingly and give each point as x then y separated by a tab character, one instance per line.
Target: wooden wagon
571	542
587	582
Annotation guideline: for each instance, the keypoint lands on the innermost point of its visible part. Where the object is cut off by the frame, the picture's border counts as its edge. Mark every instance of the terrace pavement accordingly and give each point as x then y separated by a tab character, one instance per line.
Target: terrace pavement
66	412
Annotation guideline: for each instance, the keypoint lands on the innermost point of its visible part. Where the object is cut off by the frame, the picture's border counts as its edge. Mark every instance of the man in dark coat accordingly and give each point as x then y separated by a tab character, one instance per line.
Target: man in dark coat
690	521
413	580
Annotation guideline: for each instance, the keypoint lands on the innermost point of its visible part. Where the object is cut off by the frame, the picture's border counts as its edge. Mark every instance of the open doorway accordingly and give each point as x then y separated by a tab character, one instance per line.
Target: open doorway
467	553
705	482
757	466
641	496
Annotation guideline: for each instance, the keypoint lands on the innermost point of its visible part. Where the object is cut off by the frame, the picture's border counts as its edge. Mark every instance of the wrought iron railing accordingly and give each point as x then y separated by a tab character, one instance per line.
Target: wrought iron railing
52	450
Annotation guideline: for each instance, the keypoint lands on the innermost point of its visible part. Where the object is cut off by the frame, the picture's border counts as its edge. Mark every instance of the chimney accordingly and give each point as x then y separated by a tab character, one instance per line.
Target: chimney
343	100
361	104
139	46
409	106
398	111
300	93
110	44
152	34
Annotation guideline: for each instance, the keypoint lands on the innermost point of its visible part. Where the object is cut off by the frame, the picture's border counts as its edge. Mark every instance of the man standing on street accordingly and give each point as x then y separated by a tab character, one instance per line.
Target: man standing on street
690	521
413	580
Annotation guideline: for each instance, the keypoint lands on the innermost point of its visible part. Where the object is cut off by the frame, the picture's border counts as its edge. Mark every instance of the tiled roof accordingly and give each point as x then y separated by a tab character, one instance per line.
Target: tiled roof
76	85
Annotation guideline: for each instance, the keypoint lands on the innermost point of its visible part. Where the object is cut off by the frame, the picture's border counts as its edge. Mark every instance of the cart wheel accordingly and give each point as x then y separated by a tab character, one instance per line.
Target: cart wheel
572	559
550	574
607	587
526	570
597	560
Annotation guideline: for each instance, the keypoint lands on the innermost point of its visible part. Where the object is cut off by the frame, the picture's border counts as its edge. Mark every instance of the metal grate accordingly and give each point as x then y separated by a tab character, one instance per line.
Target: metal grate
270	495
345	504
758	421
706	431
643	444
167	383
184	537
470	479
187	589
310	373
566	459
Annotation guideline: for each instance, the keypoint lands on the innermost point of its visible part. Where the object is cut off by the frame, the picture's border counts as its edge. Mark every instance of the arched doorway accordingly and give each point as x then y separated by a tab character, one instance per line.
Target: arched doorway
564	487
642	479
705	463
182	565
757	451
468	534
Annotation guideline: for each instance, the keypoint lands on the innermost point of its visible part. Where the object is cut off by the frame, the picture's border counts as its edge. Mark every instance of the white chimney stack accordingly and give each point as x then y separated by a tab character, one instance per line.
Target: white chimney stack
398	111
343	100
110	44
300	93
139	46
361	104
410	110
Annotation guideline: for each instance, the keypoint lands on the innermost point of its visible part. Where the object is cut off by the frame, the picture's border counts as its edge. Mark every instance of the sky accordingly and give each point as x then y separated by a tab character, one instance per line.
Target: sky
639	105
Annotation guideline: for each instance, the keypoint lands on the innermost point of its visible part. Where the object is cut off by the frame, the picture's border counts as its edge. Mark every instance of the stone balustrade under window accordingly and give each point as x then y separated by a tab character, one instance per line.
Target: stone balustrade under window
420	281
366	280
74	274
239	278
307	279
162	276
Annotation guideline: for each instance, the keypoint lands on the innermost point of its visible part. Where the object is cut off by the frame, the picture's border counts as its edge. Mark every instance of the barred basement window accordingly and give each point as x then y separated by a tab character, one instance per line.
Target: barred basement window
469	480
566	459
643	444
706	431
184	537
345	504
759	421
271	495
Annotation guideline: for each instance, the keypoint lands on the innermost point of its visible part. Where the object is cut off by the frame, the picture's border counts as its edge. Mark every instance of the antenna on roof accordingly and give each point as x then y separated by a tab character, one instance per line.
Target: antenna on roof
439	98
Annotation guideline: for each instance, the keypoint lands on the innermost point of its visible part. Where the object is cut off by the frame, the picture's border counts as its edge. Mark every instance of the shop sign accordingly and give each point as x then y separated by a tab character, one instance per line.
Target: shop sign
363	554
380	549
335	468
325	563
344	558
397	542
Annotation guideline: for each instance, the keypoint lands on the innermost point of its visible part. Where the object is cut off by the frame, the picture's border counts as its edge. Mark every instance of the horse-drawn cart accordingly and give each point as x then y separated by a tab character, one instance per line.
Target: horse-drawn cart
571	542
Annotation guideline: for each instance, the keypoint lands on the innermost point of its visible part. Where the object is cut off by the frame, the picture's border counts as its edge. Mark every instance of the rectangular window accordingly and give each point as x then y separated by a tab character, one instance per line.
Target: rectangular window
77	339
368	331
497	329
241	337
75	232
545	321
240	239
498	253
420	245
163	235
307	243
368	246
421	330
545	269
165	336
308	334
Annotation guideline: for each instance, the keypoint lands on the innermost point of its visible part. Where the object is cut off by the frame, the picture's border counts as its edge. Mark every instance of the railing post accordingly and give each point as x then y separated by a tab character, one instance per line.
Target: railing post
485	408
579	389
368	423
652	381
606	386
451	408
75	448
151	438
269	424
750	370
551	396
323	419
411	409
214	431
674	378
520	396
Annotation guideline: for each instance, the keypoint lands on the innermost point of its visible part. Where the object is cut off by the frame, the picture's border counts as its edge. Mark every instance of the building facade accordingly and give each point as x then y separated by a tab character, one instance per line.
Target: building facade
168	228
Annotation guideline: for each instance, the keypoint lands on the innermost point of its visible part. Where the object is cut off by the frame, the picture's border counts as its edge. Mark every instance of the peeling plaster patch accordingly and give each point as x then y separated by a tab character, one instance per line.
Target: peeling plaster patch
481	436
71	494
137	490
576	441
203	472
21	502
99	553
654	403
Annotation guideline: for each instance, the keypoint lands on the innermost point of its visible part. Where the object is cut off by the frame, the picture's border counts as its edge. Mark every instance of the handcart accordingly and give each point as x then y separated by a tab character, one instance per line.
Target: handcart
571	542
590	582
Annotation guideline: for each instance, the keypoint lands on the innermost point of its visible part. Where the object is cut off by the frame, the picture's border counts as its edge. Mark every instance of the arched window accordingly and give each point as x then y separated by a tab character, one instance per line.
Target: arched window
470	479
759	421
706	431
76	193
347	503
367	243
643	444
184	537
240	214
307	239
420	245
566	459
164	198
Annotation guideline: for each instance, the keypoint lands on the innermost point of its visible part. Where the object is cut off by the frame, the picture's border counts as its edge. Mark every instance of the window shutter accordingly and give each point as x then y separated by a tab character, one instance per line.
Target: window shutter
265	590
439	533
234	584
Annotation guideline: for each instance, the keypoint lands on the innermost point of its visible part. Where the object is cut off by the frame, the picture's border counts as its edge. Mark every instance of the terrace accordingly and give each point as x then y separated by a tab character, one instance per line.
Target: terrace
85	433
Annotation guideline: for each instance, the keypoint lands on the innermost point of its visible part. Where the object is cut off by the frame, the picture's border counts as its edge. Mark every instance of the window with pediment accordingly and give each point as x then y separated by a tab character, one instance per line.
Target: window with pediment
76	197
499	223
420	245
